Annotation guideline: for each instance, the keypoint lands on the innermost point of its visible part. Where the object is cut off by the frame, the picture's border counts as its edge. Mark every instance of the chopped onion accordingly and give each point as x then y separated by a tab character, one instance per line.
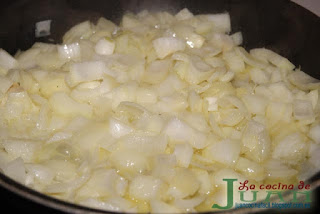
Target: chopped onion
129	21
144	143
107	25
255	104
113	204
79	31
105	46
40	173
22	149
90	137
102	183
221	22
314	156
184	14
180	131
165	46
314	133
184	183
118	128
303	80
259	76
225	152
85	71
128	162
5	84
291	149
221	41
71	51
183	153
16	170
27	59
257	140
152	115
251	169
277	169
7	62
212	103
272	57
62	104
234	62
302	110
237	38
189	203
157	71
162	207
249	59
145	187
59	137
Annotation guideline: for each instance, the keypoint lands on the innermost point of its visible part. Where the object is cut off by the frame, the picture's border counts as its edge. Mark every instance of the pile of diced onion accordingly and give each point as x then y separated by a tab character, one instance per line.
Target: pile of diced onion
153	114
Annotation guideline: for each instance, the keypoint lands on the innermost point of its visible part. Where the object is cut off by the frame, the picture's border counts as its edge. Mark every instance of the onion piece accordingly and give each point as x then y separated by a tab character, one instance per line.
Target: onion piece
225	152
237	38
180	131
129	162
259	76
184	183
250	169
116	204
249	59
221	22
302	110
41	173
303	80
63	104
16	170
79	31
145	187
257	140
156	71
86	71
234	61
184	14
165	46
102	183
27	59
59	136
22	148
118	128
5	84
107	25
314	133
148	143
189	203
162	207
274	58
130	21
291	149
255	104
183	153
7	62
105	46
277	170
70	51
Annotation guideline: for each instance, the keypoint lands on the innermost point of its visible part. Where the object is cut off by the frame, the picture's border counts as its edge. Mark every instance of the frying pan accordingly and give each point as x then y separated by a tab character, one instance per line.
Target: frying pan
279	25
